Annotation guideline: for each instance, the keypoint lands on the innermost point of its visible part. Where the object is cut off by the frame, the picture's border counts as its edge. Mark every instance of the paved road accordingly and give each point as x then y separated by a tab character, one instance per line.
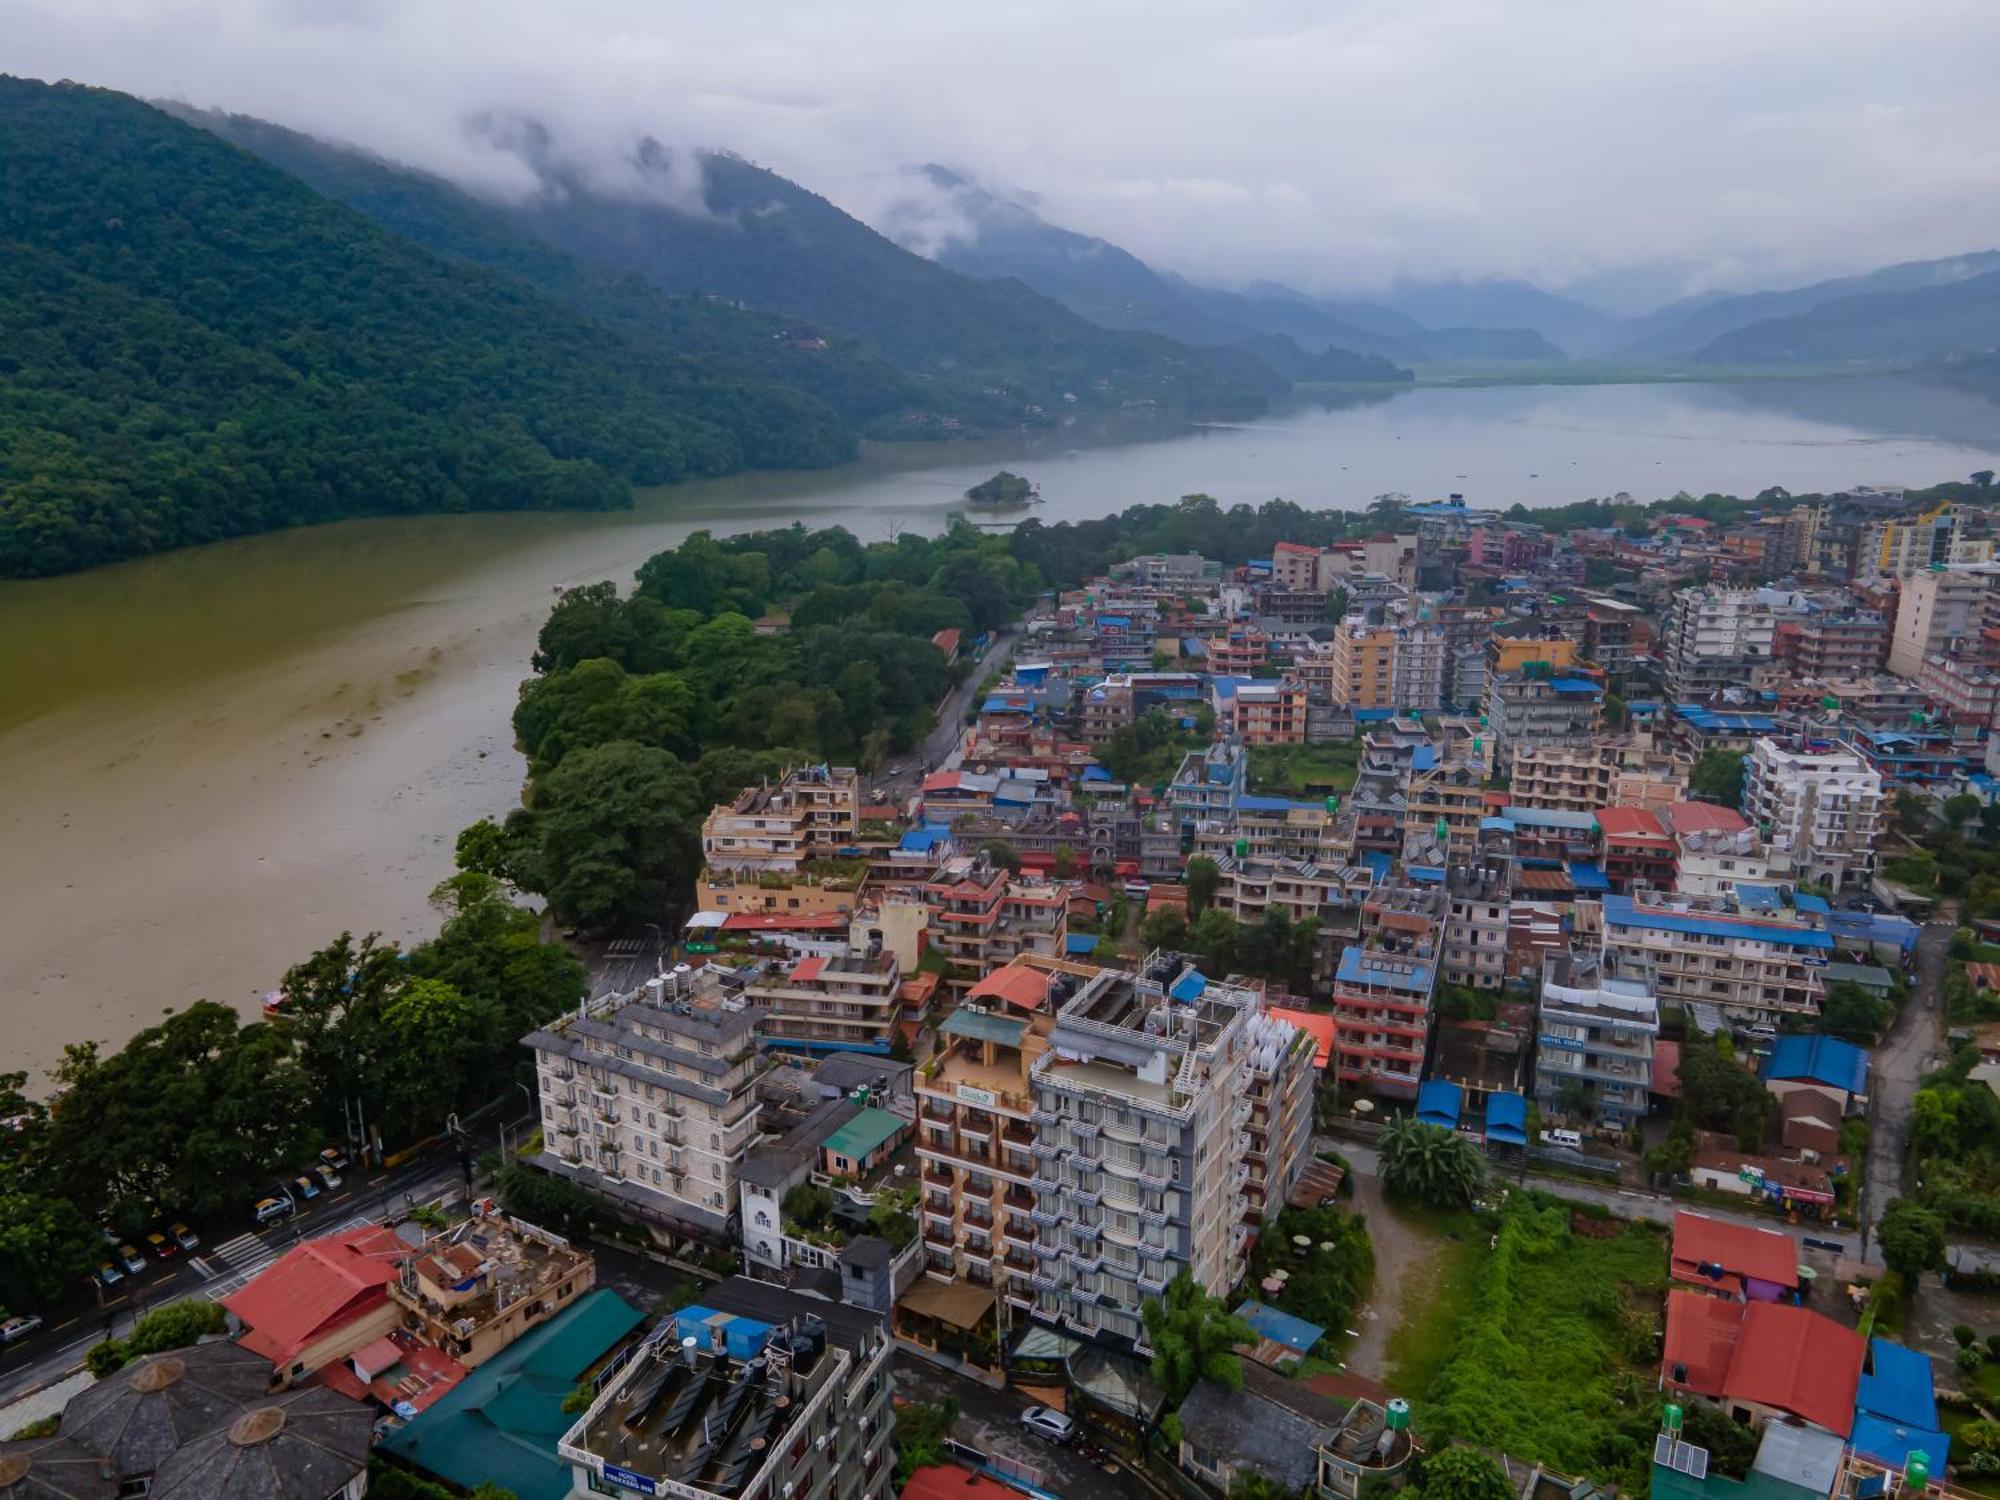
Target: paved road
944	747
1899	1063
229	1255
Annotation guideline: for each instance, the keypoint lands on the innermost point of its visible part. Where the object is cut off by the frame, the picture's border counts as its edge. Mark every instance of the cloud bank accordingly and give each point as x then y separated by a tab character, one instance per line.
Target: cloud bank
1336	144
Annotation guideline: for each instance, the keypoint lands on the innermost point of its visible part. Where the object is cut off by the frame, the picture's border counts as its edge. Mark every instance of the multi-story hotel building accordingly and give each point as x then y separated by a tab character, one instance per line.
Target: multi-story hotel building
1363	669
1474	951
1382	992
843	1001
1262	713
1630	772
1960	688
1442	807
813	813
1845	642
649	1100
1751	956
979	916
1822	807
757	1393
1533	707
1594	1040
1161	1099
1938	607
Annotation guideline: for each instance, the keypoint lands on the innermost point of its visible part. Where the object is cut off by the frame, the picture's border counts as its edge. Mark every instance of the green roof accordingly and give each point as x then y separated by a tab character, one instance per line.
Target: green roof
984	1026
1868	976
862	1134
502	1422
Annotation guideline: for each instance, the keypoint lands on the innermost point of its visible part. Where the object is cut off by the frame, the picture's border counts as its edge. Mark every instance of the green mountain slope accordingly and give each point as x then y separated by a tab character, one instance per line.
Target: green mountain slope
854	380
194	345
1881	328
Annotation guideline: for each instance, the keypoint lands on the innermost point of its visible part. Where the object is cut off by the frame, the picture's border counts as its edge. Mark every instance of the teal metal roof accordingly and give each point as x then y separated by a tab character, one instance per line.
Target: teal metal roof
984	1027
502	1422
863	1134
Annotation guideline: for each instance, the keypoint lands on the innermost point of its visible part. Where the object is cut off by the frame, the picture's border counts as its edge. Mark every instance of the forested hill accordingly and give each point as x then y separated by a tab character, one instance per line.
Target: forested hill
194	345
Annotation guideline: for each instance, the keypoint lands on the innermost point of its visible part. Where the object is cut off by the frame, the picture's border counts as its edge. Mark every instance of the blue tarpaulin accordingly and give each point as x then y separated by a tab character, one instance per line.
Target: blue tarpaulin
1587	877
1891	1443
1080	942
1438	1103
1507	1119
1818	1059
1189	986
1280	1327
1094	772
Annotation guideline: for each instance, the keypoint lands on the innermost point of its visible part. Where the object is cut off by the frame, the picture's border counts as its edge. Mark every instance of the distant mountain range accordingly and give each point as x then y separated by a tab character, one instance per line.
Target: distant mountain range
971	229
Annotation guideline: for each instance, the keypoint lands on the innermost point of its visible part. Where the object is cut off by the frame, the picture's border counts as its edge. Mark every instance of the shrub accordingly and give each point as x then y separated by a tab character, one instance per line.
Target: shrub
1963	1333
41	1427
1969	1361
104	1359
1993	1345
174	1326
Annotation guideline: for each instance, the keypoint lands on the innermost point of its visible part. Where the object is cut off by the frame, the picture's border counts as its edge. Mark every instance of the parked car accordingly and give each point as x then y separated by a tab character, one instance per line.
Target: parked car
328	1178
185	1237
270	1210
133	1260
1570	1138
161	1247
15	1329
334	1157
1047	1422
109	1274
304	1187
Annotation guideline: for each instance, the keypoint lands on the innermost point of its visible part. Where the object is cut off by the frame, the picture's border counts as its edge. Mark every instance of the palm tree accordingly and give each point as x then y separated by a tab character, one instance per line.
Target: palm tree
1194	1337
1430	1164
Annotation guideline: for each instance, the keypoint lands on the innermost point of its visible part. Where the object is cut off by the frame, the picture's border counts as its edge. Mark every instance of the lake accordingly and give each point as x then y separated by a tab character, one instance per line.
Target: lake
216	760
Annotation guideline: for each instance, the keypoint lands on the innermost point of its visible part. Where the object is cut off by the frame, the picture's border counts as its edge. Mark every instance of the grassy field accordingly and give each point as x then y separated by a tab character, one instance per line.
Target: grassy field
1304	770
1544	1345
1436	1302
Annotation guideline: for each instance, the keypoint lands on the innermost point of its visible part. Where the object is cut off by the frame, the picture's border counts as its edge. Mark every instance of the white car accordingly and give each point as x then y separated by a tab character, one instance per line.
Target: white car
1046	1421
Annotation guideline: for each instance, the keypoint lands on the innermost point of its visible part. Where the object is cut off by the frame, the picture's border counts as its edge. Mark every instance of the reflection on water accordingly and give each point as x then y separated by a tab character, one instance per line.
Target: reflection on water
218	759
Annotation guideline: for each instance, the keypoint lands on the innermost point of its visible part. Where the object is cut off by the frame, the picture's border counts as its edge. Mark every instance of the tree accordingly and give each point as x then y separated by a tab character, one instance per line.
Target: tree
1194	1337
1913	813
1165	929
1719	1093
1982	479
1961	806
1203	877
1064	867
1253	1484
1912	1239
918	1430
1001	854
1464	1474
1338	602
617	829
1850	1011
1430	1164
1718	777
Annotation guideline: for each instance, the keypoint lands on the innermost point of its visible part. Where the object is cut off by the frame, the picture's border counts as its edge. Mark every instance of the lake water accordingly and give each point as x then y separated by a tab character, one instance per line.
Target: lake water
216	760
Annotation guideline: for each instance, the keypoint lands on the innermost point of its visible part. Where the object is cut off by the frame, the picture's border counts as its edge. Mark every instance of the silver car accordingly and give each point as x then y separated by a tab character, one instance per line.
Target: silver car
1046	1421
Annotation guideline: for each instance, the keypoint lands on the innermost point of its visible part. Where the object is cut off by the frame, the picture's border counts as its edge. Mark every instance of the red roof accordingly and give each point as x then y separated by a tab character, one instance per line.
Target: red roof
941	781
1015	983
949	1482
1705	817
1630	823
1299	548
316	1288
1741	1250
1320	1027
806	970
1701	1341
1794	1359
946	641
777	921
1666	1069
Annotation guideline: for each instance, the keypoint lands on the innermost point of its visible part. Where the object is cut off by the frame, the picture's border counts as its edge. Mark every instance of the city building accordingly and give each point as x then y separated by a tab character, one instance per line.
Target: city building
1821	809
1752	956
980	916
1636	848
757	1392
841	1001
1262	713
1420	669
1903	546
1474	951
1939	607
813	813
1532	707
1363	669
1148	1114
1381	992
478	1286
649	1101
1595	1033
1715	849
1630	771
1711	636
1442	808
1840	642
1960	689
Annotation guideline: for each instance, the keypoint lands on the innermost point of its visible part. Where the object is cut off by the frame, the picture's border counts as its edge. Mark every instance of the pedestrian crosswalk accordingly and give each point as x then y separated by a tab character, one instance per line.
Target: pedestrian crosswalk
240	1259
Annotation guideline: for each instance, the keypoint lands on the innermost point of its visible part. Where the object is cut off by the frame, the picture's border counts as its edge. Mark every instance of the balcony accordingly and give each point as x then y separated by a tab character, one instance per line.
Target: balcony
1021	1230
939	1177
936	1238
938	1112
1014	1133
1018	1200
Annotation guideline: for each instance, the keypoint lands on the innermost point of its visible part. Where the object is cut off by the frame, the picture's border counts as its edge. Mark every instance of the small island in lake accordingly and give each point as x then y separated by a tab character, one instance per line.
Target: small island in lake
1004	489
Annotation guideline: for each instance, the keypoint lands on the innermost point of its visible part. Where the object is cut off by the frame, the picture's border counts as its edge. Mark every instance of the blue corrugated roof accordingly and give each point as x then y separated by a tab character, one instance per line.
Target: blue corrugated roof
996	704
1280	1327
1507	1119
1620	910
1424	758
1807	901
1892	1443
1438	1103
1586	876
1496	825
1575	685
1871	927
1428	874
1552	817
1898	1387
1249	803
1373	715
1189	986
1708	718
1358	966
1095	772
922	840
1818	1059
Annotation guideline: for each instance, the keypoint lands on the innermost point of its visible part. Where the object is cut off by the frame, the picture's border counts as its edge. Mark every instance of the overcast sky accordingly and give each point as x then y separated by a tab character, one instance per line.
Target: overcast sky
1332	143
